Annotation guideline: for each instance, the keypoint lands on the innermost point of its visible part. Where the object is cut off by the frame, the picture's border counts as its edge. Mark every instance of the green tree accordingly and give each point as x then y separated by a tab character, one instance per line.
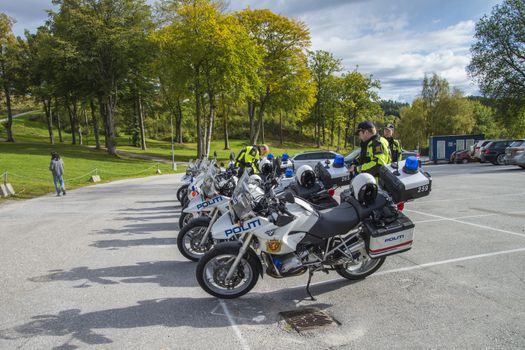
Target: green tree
323	65
498	62
8	67
282	43
211	54
360	100
108	35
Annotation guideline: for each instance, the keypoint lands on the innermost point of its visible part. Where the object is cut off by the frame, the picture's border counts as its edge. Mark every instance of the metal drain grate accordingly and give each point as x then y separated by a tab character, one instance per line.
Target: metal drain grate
307	319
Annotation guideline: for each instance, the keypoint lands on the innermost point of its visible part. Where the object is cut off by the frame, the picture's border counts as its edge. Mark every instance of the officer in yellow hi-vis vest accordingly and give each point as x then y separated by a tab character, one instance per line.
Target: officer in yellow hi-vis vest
249	157
393	144
374	150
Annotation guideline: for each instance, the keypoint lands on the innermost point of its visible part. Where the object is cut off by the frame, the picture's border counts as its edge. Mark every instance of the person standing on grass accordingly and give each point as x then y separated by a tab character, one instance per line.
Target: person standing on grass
57	168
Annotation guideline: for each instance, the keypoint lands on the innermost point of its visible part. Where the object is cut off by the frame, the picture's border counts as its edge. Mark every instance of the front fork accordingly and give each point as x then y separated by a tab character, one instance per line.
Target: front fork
213	219
244	248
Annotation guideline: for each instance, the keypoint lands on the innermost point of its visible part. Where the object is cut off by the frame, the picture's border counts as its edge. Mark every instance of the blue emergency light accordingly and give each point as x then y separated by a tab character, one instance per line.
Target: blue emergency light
288	172
285	156
270	156
339	161
411	164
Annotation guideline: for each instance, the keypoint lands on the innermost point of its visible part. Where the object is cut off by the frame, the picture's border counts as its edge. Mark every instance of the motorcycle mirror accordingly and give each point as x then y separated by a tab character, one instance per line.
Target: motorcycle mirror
289	197
222	164
215	154
232	156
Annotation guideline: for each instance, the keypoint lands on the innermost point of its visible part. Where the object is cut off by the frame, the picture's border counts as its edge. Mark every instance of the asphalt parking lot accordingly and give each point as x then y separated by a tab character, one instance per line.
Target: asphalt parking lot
100	269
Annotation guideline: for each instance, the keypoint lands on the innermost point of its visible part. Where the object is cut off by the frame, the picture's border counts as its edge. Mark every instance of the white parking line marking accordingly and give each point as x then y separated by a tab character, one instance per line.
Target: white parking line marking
468	217
472	199
419	266
243	342
467	223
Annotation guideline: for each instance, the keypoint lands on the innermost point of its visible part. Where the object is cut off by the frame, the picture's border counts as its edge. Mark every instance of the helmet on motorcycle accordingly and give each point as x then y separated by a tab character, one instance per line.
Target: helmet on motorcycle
364	188
265	166
305	176
255	179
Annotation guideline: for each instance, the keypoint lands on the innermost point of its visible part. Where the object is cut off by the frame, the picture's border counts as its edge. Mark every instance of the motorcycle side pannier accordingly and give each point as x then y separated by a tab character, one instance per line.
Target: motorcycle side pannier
332	176
387	239
402	184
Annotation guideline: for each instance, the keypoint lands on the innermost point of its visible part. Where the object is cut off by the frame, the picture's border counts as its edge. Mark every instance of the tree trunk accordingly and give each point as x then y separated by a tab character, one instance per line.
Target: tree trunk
260	117
225	118
109	105
323	128
281	129
141	122
178	122
262	130
353	133
102	108
332	132
338	137
346	130
199	126
95	123
251	116
71	123
210	123
59	125
49	119
7	93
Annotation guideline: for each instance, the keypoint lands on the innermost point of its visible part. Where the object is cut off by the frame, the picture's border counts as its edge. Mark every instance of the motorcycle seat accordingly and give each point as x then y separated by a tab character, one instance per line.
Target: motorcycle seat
336	221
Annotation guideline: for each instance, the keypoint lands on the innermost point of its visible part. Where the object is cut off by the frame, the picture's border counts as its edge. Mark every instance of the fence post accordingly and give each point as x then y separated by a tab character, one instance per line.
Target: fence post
5	178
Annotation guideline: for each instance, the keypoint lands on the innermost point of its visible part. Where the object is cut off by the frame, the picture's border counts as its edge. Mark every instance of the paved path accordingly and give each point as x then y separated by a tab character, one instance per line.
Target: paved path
19	115
100	269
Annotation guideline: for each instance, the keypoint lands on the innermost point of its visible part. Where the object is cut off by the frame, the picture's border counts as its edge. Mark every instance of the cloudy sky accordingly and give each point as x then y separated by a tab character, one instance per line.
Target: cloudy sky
397	41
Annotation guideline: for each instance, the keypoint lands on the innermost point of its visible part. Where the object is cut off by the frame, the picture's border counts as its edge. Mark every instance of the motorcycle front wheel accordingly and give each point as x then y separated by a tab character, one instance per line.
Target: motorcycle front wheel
183	189
190	237
213	268
360	271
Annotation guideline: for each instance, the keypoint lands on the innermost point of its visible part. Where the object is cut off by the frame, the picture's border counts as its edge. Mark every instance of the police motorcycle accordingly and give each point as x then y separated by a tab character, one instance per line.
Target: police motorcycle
191	171
194	238
285	236
193	179
202	190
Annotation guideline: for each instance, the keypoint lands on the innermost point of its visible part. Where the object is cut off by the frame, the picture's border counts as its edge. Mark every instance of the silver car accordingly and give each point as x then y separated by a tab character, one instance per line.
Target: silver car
479	148
311	158
515	154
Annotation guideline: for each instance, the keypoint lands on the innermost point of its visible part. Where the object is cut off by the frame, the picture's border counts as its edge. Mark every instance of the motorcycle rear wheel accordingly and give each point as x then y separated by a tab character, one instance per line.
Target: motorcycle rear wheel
213	267
362	270
189	238
184	219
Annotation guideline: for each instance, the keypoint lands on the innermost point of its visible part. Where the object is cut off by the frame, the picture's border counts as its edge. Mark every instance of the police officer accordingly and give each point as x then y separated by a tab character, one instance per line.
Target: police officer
374	150
249	157
393	144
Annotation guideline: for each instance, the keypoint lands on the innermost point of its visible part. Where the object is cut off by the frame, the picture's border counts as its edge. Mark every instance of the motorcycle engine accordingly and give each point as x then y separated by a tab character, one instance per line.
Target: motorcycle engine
290	264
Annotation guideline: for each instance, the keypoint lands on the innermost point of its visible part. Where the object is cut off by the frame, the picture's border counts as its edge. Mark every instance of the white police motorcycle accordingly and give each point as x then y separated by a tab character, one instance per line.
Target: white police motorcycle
285	237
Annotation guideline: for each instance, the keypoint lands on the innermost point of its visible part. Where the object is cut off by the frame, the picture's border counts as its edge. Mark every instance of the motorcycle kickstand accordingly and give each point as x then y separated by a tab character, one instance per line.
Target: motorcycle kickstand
310	274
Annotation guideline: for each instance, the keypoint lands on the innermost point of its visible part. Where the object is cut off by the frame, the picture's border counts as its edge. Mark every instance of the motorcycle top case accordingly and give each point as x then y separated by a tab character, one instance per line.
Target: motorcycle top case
404	185
392	238
331	176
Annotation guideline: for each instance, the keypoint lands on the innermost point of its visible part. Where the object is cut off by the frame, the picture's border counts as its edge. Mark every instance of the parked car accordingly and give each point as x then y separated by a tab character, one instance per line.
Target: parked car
515	154
311	158
460	157
494	151
479	148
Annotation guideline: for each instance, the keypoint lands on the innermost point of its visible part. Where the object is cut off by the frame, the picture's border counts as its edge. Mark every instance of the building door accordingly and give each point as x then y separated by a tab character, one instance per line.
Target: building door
460	145
441	150
470	143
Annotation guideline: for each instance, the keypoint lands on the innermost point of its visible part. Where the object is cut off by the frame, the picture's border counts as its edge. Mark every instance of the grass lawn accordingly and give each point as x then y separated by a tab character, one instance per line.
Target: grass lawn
27	160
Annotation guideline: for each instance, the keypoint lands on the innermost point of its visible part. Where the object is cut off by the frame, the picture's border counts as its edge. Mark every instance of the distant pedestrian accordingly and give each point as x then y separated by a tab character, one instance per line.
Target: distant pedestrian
57	168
